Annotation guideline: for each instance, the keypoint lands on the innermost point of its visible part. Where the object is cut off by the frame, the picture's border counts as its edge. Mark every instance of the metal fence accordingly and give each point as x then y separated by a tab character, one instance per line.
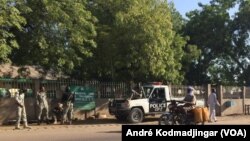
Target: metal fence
247	92
8	87
113	89
103	89
181	90
232	92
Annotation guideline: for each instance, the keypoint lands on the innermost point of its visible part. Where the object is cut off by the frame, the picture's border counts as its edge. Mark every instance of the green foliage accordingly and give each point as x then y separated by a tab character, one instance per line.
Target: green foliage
143	38
209	29
59	34
240	52
224	42
186	53
10	18
140	40
137	40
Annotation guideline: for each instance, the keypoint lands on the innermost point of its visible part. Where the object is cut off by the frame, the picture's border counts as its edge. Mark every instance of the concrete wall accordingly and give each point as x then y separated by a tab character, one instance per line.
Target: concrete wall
101	109
247	101
8	109
247	110
231	106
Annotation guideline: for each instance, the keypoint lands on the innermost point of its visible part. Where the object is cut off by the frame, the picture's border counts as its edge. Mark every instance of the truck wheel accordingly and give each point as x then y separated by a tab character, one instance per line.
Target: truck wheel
121	117
136	115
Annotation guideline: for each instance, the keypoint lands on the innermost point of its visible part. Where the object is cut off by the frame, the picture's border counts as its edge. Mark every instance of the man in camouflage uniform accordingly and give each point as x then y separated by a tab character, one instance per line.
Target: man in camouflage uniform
21	111
42	103
68	100
57	112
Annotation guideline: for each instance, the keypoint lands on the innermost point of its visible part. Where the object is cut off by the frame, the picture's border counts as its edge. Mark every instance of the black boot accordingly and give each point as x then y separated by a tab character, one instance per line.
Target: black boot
47	121
38	122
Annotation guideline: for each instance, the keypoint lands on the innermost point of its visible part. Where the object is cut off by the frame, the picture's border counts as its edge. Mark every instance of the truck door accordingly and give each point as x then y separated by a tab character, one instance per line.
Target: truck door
157	100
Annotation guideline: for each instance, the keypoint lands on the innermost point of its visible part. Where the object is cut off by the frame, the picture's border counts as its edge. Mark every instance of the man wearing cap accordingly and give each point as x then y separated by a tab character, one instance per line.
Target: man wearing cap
190	98
21	111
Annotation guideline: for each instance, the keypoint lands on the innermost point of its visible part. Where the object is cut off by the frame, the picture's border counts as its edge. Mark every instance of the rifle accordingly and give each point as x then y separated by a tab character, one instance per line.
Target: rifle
17	102
69	97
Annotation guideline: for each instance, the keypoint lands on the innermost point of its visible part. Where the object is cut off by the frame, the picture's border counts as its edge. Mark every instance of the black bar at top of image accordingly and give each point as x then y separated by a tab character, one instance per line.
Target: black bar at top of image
199	132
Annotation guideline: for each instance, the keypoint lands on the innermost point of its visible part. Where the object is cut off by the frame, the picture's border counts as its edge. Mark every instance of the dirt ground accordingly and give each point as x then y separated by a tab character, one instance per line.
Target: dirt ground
233	120
108	129
221	120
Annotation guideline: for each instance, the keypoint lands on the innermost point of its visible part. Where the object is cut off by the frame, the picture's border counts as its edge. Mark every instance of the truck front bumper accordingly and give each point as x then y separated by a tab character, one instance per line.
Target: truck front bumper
118	111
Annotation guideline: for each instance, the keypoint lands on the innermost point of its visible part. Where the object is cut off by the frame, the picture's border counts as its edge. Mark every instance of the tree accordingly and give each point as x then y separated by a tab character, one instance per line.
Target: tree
188	53
240	52
137	41
144	36
59	34
224	42
10	18
210	30
100	65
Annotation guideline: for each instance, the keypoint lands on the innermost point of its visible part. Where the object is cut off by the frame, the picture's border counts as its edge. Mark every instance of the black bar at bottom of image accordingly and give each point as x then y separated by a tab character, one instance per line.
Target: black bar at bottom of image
200	132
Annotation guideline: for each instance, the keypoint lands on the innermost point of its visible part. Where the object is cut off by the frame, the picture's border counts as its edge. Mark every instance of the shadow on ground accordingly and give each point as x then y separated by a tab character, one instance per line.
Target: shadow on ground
111	132
91	121
110	121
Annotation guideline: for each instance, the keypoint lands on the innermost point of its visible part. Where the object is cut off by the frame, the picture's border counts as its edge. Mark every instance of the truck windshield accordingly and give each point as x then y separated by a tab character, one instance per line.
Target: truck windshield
147	90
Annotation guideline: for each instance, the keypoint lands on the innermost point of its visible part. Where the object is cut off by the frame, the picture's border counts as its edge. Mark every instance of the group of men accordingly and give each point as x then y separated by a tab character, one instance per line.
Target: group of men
63	110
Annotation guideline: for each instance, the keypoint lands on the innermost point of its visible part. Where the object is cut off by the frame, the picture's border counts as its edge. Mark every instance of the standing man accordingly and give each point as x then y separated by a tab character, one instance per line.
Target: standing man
42	104
21	111
68	100
212	103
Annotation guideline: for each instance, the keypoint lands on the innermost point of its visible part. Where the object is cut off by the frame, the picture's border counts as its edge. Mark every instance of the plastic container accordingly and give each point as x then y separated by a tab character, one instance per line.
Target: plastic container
205	114
198	117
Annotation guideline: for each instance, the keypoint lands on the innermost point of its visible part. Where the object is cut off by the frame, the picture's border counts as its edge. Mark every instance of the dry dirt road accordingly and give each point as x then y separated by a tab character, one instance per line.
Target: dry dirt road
233	120
92	130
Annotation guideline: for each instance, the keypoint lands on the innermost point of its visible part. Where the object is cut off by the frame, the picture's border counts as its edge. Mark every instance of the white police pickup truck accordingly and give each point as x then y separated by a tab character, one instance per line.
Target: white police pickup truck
151	100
